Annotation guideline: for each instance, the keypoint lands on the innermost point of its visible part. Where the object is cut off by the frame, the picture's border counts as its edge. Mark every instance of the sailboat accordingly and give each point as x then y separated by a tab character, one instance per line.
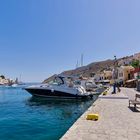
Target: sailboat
17	83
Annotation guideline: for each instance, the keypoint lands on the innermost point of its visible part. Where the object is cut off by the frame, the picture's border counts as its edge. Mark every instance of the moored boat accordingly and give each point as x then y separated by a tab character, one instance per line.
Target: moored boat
60	87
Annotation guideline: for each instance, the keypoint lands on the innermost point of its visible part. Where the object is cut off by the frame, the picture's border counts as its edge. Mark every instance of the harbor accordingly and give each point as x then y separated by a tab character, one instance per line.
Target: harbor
108	97
116	120
25	117
35	109
69	70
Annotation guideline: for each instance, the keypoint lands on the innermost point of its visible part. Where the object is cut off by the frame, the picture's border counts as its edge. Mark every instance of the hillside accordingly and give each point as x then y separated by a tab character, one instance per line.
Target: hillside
96	67
87	70
91	68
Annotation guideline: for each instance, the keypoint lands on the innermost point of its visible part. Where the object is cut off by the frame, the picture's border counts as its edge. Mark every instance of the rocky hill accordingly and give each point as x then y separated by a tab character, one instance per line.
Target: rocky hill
91	68
87	70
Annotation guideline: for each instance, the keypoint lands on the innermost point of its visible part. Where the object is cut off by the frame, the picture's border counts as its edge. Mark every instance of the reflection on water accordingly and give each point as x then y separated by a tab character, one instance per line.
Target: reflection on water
36	118
38	101
67	107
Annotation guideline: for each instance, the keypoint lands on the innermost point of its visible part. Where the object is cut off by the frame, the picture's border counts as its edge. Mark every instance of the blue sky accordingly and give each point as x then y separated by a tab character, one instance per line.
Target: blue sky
41	37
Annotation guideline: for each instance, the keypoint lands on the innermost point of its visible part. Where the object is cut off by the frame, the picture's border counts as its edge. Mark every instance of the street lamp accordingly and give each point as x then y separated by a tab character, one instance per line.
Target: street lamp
115	74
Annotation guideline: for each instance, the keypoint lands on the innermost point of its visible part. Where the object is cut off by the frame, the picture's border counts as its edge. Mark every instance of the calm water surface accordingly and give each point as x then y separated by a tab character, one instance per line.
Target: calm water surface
25	118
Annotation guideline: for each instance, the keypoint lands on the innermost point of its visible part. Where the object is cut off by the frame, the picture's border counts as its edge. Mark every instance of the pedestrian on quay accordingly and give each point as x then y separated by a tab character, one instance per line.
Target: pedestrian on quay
118	87
114	88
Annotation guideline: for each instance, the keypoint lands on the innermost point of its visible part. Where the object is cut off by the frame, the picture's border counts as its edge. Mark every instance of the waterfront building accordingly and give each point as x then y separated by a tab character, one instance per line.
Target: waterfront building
137	56
108	74
125	61
3	81
125	73
102	76
98	77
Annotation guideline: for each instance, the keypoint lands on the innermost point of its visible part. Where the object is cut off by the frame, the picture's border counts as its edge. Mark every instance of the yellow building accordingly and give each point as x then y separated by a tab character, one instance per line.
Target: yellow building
107	74
124	73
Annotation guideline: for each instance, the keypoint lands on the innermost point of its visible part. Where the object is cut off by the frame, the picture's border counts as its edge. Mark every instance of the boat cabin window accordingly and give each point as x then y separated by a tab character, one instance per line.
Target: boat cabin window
90	84
77	82
57	81
69	82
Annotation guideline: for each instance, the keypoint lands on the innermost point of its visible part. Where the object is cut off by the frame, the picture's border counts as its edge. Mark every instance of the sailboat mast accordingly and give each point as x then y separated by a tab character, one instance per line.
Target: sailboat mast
82	59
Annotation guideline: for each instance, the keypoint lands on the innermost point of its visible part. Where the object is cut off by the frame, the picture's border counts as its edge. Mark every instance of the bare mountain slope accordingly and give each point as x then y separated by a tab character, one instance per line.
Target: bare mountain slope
87	70
91	68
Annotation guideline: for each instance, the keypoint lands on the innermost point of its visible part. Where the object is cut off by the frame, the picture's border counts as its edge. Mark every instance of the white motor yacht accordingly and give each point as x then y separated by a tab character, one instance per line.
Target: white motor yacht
60	87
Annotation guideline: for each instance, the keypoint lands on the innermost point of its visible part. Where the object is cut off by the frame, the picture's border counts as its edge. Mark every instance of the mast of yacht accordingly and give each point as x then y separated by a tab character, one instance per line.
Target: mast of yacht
82	59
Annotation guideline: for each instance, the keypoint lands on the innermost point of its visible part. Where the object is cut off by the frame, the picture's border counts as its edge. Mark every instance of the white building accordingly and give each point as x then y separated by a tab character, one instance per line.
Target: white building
105	75
137	56
125	61
99	77
3	81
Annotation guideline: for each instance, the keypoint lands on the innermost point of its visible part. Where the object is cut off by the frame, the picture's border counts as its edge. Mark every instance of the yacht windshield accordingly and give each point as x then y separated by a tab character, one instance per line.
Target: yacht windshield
57	81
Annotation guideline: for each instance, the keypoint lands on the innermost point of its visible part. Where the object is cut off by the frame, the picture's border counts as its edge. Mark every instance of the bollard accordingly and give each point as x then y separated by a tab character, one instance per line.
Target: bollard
94	117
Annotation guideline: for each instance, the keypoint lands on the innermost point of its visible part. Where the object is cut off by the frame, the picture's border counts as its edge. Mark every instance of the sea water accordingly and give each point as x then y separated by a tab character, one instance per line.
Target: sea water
23	117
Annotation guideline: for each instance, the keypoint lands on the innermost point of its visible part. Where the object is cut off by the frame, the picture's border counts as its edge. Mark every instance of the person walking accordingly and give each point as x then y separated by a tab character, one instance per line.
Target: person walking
118	87
114	88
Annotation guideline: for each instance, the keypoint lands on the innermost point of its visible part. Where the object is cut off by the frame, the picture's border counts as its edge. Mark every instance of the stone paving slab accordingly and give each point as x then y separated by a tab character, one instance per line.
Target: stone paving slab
116	122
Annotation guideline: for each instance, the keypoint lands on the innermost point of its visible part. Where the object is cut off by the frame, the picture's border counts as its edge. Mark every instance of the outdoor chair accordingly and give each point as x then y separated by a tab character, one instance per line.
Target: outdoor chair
135	102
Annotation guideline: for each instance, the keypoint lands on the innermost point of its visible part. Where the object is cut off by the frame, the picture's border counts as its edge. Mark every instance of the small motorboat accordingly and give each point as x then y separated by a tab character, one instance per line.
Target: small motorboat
60	87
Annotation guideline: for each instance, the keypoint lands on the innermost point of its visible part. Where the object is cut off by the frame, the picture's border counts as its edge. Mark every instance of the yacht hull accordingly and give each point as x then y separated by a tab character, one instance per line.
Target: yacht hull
54	94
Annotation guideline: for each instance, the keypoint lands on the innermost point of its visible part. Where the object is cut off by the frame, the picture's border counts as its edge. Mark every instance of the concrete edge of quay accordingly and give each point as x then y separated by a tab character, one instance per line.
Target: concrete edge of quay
116	121
82	116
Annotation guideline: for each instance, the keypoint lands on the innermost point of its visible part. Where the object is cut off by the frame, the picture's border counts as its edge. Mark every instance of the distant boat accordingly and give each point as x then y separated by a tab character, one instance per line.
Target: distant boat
60	87
17	83
14	85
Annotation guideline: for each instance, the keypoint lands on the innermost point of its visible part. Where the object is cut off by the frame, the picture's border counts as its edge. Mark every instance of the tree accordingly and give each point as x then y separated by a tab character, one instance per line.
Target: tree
2	76
135	63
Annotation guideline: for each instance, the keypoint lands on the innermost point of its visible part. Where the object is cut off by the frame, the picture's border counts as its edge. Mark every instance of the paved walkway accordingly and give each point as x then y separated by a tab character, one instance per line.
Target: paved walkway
117	121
